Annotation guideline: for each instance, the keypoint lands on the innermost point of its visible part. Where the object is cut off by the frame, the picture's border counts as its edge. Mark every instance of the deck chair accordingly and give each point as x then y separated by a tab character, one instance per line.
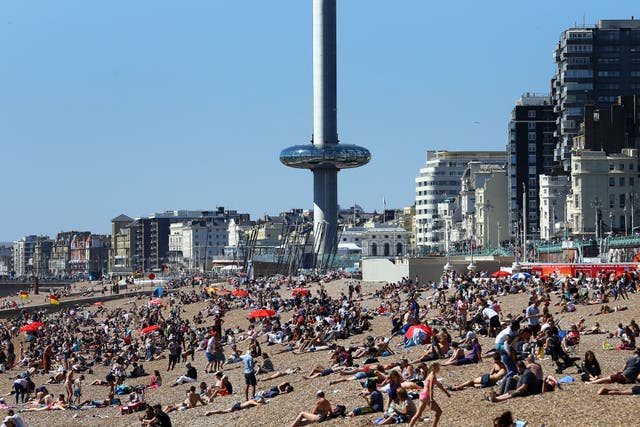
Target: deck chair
571	345
560	356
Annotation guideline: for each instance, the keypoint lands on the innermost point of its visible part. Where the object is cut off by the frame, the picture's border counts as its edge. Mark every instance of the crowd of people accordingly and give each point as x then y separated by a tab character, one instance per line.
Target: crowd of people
444	319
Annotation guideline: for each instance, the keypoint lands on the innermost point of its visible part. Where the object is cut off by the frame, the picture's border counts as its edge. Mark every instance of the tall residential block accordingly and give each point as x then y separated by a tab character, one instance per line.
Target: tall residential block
595	66
530	148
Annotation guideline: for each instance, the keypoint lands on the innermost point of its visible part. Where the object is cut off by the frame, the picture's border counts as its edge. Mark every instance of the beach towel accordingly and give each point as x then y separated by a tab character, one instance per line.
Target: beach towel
567	379
607	346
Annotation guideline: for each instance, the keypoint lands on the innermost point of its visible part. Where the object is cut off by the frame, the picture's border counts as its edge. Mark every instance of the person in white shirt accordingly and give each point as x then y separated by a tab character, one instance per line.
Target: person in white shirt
210	353
494	320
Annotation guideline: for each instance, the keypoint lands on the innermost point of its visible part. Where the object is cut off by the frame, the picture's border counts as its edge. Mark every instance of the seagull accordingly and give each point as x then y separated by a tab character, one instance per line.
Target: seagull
476	122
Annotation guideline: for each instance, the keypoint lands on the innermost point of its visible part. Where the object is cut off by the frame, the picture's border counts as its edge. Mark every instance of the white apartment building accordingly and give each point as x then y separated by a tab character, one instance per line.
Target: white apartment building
602	185
440	180
23	251
553	195
197	243
492	210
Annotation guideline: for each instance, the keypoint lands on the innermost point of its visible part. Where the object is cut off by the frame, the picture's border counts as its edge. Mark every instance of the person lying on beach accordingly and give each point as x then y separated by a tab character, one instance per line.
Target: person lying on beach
321	371
276	390
60	404
278	374
498	371
191	401
628	375
360	374
238	406
595	329
633	391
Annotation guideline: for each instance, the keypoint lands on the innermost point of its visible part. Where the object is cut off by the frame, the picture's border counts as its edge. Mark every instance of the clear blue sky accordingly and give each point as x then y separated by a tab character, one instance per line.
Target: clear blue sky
141	106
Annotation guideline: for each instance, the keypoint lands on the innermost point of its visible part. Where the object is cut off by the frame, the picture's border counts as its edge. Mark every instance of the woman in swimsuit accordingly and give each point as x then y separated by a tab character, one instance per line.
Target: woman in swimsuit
426	397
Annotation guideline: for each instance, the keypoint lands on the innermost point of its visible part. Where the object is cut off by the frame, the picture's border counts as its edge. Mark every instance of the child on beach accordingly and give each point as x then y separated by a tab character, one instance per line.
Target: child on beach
77	390
426	397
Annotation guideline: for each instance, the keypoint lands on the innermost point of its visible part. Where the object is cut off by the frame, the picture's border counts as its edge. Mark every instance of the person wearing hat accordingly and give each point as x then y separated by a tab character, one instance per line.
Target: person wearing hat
321	411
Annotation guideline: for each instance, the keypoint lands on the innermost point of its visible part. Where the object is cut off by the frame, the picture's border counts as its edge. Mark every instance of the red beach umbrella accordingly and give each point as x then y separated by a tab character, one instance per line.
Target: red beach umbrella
501	273
427	330
240	293
98	303
149	329
262	313
300	291
32	327
156	302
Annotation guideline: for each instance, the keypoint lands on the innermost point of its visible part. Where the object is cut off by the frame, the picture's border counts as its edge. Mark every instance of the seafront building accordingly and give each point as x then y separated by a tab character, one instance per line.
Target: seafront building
23	251
595	66
196	243
553	192
602	192
530	147
439	180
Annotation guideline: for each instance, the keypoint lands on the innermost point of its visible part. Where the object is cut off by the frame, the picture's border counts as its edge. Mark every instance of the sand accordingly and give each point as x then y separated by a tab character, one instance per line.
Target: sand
576	405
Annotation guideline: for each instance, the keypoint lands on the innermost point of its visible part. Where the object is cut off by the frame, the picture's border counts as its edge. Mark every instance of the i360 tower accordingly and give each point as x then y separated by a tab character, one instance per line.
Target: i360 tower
324	156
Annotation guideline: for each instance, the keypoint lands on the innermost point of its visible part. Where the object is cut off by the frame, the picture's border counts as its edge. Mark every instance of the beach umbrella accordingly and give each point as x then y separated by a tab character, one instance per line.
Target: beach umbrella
240	293
418	330
211	289
300	291
501	273
262	313
32	327
149	329
158	292
520	276
156	302
224	291
98	303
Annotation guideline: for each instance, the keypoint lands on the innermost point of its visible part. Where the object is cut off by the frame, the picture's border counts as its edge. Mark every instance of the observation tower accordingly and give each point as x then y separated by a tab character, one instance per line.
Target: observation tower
324	156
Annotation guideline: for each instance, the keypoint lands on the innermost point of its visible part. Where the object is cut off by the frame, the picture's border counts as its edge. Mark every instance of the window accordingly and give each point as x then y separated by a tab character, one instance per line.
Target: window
374	249
532	136
630	166
621	167
399	249
612	182
531	114
622	200
632	181
531	149
621	181
635	73
612	201
577	200
610	166
608	73
532	126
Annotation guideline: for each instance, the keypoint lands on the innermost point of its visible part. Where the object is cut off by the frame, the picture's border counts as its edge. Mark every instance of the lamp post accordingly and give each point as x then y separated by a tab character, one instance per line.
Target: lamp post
447	231
626	228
